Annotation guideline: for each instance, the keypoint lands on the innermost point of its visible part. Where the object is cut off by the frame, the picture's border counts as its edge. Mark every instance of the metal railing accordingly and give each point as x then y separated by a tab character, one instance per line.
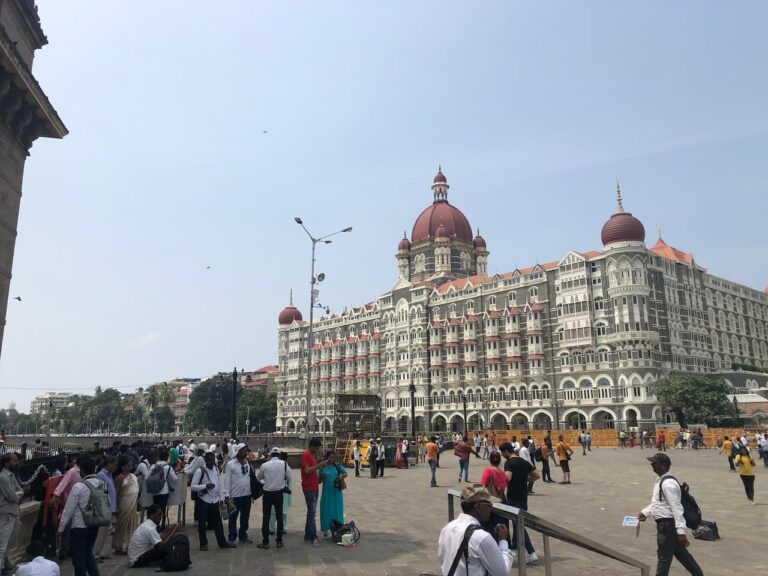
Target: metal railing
523	520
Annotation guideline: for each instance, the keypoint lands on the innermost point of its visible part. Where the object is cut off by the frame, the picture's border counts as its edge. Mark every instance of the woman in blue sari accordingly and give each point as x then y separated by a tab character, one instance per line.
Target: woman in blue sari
332	499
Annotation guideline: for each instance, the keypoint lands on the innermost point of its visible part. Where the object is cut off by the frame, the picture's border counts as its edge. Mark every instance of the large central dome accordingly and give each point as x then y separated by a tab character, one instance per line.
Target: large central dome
441	213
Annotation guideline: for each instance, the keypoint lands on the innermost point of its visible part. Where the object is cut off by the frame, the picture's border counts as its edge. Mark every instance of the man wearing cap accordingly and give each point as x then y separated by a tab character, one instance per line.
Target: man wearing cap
274	474
666	508
237	487
482	555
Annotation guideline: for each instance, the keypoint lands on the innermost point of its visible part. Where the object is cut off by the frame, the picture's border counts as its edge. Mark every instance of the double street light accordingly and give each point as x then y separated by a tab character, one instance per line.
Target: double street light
314	279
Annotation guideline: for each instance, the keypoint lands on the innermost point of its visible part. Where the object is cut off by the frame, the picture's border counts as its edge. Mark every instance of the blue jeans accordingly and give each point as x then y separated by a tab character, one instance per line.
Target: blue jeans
81	548
310	528
464	465
242	509
433	468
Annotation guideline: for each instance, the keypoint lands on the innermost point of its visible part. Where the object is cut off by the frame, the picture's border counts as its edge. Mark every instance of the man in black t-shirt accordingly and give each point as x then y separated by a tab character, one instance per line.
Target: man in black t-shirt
517	471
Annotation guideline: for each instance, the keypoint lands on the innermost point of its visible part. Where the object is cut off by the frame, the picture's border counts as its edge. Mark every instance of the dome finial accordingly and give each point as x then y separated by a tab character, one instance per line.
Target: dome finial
619	205
659	238
290	297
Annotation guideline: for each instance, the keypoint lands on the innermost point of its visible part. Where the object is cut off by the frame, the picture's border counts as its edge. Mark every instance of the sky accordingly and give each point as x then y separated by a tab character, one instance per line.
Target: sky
199	130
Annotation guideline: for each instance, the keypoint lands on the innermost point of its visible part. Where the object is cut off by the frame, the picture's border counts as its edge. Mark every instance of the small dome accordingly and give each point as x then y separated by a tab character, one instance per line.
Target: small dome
404	245
288	315
479	241
439	177
622	226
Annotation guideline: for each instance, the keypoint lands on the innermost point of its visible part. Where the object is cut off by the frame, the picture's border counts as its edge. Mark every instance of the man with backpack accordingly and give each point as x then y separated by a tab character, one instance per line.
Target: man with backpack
87	508
207	484
672	508
160	482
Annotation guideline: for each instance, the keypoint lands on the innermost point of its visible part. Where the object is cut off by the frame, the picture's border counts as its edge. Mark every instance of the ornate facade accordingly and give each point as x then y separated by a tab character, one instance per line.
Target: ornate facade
575	341
25	115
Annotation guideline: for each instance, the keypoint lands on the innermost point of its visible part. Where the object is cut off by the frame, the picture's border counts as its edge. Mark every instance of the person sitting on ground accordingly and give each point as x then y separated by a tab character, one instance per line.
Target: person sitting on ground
147	545
484	555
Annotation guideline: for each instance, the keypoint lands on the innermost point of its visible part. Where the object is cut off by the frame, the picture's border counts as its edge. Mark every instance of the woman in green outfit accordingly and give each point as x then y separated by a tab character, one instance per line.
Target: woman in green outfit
332	498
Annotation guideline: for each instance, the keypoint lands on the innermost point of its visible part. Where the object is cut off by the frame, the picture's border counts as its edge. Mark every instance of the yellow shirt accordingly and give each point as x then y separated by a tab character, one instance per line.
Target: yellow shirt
745	465
727	448
562	448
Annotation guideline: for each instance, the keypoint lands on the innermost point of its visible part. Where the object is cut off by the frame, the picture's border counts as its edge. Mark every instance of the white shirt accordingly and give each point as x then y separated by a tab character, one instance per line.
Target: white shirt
236	482
170	475
356	453
516	445
202	477
669	506
382	451
525	454
485	556
143	540
404	446
77	501
192	467
273	474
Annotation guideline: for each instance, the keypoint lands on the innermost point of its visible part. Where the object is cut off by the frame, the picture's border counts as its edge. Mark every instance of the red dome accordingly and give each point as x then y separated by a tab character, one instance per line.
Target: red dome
441	213
405	245
439	178
479	241
288	315
622	227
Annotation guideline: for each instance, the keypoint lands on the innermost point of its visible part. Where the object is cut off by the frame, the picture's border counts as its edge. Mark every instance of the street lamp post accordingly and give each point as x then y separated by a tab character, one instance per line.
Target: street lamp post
412	390
234	402
464	402
312	295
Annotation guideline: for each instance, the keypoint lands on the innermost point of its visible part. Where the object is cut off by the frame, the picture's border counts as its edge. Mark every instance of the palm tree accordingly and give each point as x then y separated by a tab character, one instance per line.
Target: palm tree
152	397
166	394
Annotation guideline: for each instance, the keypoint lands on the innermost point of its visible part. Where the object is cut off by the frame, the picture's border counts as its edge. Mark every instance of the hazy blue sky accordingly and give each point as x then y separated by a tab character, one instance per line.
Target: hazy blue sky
533	109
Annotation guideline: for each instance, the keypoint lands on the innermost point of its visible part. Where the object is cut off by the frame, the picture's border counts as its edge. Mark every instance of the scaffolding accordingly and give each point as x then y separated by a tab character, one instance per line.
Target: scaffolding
356	415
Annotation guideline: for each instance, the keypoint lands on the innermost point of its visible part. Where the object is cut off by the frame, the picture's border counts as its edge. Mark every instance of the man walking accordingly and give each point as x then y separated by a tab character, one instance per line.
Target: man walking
371	455
432	450
82	537
237	487
463	451
275	475
310	485
727	447
382	456
10	496
208	487
666	508
404	445
518	472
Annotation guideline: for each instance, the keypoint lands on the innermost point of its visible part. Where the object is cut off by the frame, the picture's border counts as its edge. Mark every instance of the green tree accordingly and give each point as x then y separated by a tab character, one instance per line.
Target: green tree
263	409
164	420
210	405
695	398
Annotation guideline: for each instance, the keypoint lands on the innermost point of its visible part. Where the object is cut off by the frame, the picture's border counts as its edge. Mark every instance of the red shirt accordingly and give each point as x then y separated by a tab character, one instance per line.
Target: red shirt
309	481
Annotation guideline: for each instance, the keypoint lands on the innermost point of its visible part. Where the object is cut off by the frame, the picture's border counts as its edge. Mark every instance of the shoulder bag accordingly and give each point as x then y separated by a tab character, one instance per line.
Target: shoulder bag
463	550
339	482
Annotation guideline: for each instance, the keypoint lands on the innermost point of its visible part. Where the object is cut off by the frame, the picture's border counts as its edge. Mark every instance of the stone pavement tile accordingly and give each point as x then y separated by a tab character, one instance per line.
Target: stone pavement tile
400	518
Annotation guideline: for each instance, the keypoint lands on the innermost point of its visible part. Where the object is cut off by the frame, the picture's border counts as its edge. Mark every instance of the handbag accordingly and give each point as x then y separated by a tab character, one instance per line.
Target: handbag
223	510
339	482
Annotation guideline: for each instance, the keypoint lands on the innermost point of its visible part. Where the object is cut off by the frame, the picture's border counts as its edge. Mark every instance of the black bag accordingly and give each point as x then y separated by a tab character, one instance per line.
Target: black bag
257	488
707	531
177	559
691	510
537	455
338	530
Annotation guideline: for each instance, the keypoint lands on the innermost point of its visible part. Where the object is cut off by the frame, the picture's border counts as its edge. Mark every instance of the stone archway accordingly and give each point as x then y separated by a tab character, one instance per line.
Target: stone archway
457	424
404	424
603	419
576	421
439	424
475	422
519	421
420	424
631	417
542	421
390	424
499	422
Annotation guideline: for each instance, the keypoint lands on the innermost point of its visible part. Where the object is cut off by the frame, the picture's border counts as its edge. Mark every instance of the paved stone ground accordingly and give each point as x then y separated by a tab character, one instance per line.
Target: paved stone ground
400	518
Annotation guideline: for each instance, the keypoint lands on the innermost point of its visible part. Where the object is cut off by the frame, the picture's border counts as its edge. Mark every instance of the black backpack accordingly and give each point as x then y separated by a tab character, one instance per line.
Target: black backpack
177	559
691	510
537	455
374	452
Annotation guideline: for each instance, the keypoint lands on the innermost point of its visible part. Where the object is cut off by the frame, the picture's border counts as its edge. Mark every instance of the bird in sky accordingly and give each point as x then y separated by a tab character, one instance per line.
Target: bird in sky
18	298
264	131
207	267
